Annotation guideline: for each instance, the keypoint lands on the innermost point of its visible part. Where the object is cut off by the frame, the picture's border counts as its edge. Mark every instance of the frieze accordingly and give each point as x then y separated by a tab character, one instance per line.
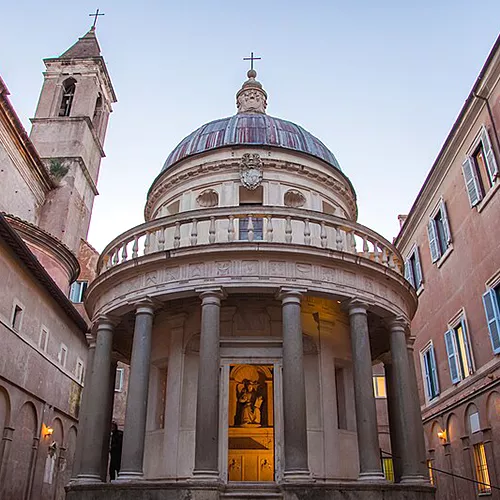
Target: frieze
249	267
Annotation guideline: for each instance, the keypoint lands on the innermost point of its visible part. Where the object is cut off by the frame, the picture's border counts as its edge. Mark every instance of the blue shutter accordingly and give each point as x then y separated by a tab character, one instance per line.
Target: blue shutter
446	222
493	318
409	273
471	182
434	370
419	278
489	154
428	375
433	242
467	349
451	349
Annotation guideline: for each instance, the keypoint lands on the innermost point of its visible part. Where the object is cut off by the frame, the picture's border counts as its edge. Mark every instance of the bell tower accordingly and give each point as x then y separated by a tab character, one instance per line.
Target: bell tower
68	131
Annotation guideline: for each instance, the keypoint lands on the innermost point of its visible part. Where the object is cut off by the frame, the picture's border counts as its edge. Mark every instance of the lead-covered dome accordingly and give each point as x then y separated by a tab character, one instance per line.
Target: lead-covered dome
251	127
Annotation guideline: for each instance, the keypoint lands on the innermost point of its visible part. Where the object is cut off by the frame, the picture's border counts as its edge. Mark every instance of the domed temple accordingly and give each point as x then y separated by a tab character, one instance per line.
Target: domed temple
251	306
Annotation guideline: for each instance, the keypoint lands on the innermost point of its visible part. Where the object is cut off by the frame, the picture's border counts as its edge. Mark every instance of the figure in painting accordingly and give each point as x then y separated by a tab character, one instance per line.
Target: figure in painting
249	403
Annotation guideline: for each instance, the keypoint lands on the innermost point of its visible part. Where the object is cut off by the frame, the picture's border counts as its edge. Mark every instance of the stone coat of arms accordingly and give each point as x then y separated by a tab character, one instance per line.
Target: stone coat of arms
251	171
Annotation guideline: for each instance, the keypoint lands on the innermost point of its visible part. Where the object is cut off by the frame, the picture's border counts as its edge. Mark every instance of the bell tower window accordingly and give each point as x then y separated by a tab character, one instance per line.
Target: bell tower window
96	119
69	86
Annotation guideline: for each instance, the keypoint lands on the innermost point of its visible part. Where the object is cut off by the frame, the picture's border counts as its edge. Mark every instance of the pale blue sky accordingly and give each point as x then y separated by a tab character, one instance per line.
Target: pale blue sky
380	83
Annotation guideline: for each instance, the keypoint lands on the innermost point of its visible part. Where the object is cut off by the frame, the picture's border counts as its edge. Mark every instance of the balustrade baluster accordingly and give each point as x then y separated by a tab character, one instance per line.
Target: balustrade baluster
392	264
115	256
194	232
269	229
288	230
307	232
250	228
338	239
147	243
230	229
366	249
323	237
376	252
211	230
384	256
161	239
177	235
135	247
124	251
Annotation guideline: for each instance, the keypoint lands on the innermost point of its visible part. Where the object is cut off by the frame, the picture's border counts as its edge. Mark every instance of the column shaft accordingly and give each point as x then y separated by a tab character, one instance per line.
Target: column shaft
370	467
109	418
206	463
137	394
294	392
82	414
97	407
395	431
408	448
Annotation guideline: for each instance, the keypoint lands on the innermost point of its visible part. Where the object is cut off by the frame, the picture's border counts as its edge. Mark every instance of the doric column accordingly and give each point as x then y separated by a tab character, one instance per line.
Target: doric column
370	467
408	448
294	392
82	414
206	460
109	418
419	425
97	406
392	409
137	394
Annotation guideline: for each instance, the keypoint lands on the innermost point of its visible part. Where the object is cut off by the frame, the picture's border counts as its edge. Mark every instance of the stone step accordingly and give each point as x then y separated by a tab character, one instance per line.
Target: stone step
249	491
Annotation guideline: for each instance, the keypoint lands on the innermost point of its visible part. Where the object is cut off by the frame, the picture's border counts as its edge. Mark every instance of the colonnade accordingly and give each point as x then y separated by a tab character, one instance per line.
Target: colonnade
403	406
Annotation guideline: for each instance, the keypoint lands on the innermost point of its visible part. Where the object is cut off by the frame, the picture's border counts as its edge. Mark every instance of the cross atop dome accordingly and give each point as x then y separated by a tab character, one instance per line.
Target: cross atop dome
251	98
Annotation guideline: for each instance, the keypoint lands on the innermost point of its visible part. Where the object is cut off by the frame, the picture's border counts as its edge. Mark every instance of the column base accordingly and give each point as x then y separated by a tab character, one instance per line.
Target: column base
419	479
88	478
129	476
298	476
376	476
205	475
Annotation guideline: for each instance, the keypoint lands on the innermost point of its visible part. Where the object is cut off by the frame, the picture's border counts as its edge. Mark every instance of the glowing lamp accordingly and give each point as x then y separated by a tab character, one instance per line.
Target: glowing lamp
47	431
442	435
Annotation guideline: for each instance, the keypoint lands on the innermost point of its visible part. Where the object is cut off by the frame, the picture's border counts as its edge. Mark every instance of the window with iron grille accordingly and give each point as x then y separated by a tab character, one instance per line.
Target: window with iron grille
481	469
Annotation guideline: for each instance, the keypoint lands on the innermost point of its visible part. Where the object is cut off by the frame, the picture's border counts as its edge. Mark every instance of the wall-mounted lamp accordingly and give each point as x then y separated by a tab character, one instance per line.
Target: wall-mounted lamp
442	435
47	431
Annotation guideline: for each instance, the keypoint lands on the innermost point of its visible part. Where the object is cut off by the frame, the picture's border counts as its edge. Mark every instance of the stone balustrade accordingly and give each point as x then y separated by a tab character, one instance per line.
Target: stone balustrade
257	225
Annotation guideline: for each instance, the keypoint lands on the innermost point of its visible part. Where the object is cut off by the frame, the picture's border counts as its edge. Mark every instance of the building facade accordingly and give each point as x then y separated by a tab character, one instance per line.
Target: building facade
48	183
450	245
250	306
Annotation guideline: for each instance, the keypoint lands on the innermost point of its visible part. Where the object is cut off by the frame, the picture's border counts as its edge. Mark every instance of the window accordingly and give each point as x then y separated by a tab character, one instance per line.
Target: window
430	372
379	386
69	86
479	168
491	302
17	316
43	341
119	380
388	468
475	425
481	469
431	472
254	224
413	269
79	370
77	290
63	355
439	232
458	350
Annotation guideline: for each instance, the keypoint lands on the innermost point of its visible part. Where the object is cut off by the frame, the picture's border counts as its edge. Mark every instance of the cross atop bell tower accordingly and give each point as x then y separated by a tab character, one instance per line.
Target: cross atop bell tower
68	131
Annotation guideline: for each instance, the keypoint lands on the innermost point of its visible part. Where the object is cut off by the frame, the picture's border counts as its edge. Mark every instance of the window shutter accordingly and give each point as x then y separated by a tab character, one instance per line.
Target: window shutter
419	278
493	318
428	375
433	243
471	182
446	222
434	370
489	154
467	347
452	356
409	273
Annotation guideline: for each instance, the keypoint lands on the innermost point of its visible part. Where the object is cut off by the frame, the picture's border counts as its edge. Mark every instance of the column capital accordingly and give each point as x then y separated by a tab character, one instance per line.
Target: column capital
105	322
211	295
398	323
290	294
356	306
146	306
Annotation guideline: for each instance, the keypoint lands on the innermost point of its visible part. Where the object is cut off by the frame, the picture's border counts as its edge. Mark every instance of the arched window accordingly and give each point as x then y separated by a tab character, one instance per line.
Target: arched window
96	119
69	86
